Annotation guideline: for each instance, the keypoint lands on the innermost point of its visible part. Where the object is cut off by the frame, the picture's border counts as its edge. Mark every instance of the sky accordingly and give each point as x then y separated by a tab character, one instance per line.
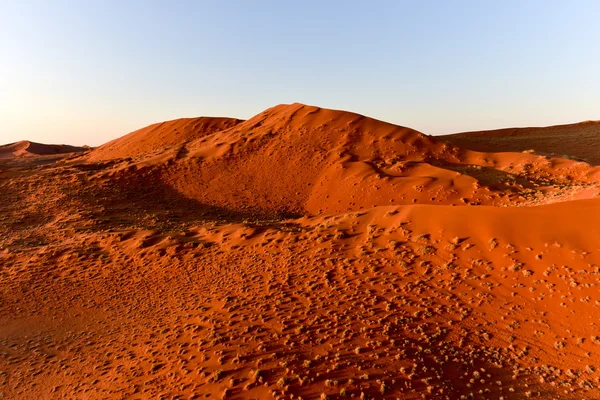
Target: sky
86	72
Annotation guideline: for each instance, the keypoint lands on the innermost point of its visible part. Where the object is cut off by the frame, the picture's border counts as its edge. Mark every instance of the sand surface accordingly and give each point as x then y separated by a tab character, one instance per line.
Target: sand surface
303	253
576	141
26	152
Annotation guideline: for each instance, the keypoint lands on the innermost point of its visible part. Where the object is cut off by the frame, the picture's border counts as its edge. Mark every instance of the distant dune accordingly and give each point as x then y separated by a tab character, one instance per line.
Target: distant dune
27	149
579	141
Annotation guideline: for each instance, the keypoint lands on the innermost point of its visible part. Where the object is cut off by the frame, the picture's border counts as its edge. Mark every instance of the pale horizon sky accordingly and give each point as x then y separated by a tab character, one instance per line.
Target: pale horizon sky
86	72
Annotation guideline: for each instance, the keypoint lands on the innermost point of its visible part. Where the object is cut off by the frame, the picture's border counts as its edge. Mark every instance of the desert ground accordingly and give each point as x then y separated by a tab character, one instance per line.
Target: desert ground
305	253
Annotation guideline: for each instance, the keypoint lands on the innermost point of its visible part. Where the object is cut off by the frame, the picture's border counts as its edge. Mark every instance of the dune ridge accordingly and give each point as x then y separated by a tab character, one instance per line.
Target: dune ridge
160	137
577	141
26	148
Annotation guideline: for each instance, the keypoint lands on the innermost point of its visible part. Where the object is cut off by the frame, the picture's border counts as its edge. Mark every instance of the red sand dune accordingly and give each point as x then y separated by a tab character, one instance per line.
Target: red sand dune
161	137
163	265
28	149
578	141
295	159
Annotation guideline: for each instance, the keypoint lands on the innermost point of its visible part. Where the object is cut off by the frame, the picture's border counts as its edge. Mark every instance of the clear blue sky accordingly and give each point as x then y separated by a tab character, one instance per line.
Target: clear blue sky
85	72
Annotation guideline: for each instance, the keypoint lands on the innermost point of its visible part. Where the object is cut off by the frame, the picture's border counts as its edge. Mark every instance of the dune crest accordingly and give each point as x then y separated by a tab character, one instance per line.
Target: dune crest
160	137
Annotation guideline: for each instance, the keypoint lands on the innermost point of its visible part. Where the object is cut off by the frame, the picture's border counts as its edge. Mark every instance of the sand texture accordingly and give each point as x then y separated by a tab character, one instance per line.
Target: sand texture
305	253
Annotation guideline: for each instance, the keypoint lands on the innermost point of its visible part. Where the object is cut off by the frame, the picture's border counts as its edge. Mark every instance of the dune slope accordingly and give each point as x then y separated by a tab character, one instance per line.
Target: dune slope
578	141
160	137
111	295
30	149
296	159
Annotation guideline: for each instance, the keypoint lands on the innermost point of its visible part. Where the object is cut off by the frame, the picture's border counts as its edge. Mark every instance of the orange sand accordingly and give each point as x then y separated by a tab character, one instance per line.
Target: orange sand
304	253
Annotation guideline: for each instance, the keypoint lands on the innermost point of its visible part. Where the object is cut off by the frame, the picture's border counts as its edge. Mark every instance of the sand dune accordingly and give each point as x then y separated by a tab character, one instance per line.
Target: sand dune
161	137
293	159
28	149
577	141
305	253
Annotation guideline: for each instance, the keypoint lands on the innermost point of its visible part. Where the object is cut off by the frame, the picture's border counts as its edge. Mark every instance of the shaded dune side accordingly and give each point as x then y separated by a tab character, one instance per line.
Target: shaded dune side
578	141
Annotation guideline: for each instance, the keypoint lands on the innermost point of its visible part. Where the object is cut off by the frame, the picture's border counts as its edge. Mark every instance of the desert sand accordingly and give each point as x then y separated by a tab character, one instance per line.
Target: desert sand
576	141
305	253
36	153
